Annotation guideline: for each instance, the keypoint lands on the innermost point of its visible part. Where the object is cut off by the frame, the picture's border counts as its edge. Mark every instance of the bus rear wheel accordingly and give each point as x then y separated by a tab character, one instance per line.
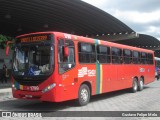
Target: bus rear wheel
141	84
83	95
134	85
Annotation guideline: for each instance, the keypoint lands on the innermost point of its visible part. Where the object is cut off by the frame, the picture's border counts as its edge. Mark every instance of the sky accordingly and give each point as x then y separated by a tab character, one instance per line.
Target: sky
143	16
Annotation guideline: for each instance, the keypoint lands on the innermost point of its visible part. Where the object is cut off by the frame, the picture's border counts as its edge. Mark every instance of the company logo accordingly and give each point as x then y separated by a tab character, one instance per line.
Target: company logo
142	70
21	114
85	71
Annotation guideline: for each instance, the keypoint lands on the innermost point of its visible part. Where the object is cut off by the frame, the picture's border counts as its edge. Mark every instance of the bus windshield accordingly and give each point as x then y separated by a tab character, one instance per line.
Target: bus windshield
33	60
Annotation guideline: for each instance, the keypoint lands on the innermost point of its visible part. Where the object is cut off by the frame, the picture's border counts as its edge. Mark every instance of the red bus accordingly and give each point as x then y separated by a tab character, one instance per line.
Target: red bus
54	66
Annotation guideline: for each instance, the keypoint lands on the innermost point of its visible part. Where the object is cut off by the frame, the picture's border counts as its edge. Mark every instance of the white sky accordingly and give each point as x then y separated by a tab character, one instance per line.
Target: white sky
143	16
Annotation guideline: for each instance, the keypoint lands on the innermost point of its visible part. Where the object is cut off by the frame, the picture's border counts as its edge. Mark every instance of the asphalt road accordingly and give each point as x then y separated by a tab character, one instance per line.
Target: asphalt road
124	100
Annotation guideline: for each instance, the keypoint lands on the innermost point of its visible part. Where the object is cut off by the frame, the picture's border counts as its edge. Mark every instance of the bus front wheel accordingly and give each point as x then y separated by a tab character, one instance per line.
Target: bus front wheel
83	95
134	85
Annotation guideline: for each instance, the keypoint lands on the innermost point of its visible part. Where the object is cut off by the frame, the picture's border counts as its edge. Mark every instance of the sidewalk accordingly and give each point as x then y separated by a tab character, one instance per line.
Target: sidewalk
6	94
5	85
5	90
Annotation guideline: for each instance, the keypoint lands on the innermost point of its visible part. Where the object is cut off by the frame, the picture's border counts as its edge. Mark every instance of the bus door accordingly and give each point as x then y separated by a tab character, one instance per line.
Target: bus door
66	64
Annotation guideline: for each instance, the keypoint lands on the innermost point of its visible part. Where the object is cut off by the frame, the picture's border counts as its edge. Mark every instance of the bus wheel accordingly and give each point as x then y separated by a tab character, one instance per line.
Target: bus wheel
134	85
141	84
83	95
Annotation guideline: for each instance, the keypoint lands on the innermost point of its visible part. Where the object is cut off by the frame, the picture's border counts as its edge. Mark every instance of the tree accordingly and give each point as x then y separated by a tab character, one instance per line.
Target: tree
3	40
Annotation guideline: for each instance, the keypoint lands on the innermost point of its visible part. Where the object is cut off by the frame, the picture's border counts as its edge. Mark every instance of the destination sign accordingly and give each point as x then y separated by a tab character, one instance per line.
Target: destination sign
34	38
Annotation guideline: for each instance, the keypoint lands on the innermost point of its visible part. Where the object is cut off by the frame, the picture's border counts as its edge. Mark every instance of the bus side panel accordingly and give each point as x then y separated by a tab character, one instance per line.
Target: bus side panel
72	80
130	72
87	73
120	77
117	77
113	77
69	84
127	75
108	77
149	74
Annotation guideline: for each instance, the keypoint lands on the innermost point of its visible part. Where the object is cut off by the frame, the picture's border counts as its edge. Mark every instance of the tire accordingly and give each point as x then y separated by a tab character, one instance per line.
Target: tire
141	84
134	86
83	95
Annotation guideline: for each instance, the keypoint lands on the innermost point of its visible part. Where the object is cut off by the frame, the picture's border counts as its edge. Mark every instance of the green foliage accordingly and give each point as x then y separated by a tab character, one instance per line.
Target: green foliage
3	40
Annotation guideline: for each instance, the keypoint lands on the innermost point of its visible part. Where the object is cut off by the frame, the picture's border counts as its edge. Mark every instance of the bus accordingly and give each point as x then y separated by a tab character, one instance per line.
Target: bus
157	67
56	67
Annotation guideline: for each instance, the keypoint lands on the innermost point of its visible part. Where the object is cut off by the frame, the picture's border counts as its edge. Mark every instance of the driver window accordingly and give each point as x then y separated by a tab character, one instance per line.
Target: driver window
65	63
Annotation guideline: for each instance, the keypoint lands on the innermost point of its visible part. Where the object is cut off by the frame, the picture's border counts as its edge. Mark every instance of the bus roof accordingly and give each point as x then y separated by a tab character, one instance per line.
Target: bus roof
91	40
112	44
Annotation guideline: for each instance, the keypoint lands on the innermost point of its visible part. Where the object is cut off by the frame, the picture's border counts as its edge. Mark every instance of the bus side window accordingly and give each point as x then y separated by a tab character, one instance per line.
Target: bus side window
103	54
127	56
136	57
66	63
143	58
150	58
86	53
116	55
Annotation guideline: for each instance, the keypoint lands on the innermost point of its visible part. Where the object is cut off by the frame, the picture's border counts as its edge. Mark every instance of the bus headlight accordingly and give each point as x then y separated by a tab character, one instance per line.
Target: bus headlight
14	87
48	88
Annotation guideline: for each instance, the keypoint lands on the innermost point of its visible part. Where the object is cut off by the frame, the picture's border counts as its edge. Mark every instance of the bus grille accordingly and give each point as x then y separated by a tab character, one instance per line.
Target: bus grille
30	81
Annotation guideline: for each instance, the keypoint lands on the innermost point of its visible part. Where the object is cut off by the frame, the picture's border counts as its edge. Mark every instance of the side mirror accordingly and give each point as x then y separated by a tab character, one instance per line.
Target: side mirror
7	48
66	51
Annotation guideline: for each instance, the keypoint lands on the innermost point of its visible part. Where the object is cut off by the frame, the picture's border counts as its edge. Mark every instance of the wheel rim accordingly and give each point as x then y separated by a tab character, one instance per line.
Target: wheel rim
135	85
84	95
141	84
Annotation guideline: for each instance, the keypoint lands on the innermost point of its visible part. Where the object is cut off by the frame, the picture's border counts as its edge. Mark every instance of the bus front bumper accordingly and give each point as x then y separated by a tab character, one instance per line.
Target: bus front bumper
36	95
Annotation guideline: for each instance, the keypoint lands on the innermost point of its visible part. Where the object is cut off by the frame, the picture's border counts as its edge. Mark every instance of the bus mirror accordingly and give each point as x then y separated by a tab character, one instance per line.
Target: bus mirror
7	48
66	51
